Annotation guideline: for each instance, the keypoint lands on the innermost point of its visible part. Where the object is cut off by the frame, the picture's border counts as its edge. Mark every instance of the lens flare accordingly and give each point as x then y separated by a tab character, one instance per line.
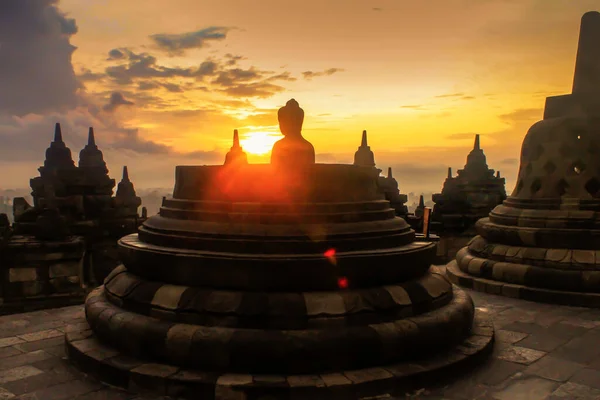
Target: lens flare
343	282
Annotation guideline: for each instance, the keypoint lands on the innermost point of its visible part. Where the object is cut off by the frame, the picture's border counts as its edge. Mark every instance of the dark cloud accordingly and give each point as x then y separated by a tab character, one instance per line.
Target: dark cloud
257	89
171	87
251	82
145	66
176	44
327	72
148	85
116	54
231	59
377	9
130	139
522	115
234	76
36	74
116	100
87	75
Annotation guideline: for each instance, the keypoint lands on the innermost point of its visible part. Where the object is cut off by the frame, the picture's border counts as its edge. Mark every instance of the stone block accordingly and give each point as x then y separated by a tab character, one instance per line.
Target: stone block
34	288
585	257
22	274
63	269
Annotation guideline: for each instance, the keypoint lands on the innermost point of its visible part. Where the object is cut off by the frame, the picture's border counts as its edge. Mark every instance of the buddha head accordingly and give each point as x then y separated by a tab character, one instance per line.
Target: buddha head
290	119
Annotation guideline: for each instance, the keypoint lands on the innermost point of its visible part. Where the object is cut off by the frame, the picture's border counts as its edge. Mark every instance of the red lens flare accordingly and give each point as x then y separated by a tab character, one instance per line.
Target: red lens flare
343	282
329	253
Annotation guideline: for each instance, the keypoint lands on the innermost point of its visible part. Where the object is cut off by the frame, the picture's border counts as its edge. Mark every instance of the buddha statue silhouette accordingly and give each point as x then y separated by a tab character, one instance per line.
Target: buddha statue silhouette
293	150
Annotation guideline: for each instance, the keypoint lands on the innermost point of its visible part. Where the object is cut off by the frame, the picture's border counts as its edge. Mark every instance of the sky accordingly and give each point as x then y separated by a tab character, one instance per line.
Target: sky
166	83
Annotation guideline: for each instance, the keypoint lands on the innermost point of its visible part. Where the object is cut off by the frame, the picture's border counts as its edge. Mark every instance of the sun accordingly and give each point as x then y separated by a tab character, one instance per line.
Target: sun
259	143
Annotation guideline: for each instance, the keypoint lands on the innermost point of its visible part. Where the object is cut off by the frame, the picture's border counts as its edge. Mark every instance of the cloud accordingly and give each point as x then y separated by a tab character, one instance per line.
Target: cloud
377	9
116	54
36	74
143	65
233	59
177	44
115	101
457	96
311	74
460	136
419	107
256	89
522	115
86	75
509	161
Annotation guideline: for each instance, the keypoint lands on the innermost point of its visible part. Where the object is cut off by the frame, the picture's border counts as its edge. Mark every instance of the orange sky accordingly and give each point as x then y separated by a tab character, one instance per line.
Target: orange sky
422	77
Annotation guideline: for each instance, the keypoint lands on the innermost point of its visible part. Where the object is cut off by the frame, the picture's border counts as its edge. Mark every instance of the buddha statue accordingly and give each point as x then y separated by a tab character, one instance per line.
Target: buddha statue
293	150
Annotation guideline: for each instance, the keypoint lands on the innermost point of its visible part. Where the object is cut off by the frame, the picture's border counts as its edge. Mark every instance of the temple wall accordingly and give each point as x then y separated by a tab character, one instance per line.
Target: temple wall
451	242
37	274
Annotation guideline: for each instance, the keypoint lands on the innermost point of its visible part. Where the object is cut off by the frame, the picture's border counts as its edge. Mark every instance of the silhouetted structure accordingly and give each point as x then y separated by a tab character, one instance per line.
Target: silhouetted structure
293	151
469	196
69	234
542	242
261	279
389	185
236	154
464	199
364	157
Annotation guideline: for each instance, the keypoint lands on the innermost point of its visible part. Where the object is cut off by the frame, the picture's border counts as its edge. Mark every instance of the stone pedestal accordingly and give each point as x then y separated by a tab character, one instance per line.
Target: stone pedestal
257	280
41	274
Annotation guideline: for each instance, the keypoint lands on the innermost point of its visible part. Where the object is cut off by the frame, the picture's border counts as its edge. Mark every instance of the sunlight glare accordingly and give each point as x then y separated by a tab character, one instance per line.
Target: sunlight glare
259	143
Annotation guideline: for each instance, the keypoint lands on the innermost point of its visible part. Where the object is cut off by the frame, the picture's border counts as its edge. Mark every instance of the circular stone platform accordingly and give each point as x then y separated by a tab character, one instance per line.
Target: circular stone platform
277	280
119	369
575	299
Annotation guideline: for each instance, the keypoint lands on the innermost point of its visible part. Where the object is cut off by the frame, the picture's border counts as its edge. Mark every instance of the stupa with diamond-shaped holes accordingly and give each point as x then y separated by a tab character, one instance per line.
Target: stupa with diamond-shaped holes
287	279
543	242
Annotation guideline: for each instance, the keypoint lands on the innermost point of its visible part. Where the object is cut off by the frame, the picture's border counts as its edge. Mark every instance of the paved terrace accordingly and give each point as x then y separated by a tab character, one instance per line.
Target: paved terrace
542	352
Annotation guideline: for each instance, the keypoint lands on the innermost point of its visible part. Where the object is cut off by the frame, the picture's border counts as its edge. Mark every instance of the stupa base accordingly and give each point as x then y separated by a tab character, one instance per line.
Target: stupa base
541	295
143	376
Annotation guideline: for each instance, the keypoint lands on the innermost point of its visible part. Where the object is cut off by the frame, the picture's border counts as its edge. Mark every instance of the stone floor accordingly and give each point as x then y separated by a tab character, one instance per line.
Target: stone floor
542	352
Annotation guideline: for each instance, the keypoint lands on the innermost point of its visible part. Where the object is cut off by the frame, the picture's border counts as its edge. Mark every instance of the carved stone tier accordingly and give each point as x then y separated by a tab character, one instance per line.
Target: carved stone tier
543	242
256	270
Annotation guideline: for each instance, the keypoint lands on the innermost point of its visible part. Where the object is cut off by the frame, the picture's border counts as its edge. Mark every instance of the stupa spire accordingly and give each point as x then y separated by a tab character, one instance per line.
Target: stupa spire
57	133
476	145
364	156
90	157
91	139
125	177
236	139
449	172
421	201
236	154
389	173
587	64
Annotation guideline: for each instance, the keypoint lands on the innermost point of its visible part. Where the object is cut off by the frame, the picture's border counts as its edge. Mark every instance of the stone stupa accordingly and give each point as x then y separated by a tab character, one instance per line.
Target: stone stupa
543	242
293	279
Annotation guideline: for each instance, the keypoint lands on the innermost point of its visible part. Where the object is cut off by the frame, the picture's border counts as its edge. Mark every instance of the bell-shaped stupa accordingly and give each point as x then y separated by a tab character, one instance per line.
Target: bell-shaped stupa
236	154
364	155
470	195
285	282
58	155
543	242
